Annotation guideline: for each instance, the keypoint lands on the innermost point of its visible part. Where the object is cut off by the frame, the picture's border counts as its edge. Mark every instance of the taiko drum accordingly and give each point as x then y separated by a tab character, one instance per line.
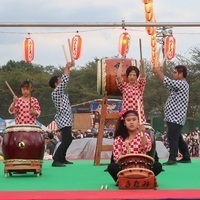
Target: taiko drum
23	142
107	72
136	161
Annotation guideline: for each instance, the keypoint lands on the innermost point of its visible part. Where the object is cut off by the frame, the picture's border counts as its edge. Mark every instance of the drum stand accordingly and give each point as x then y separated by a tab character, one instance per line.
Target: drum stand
99	145
20	166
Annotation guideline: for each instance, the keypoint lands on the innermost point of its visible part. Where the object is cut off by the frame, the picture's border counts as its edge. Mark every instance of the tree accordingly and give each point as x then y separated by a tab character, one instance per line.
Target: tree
82	86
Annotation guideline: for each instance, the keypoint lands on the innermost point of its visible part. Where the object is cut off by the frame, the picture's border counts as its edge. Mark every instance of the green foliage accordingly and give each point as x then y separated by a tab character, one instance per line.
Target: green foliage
82	86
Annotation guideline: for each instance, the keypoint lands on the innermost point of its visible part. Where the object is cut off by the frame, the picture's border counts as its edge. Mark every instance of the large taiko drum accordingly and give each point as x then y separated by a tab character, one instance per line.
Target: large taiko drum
23	142
106	74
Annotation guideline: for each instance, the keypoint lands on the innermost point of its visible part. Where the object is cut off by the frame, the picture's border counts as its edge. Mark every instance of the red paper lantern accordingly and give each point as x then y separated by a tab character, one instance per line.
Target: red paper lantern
150	30
28	50
124	43
76	47
146	1
149	16
169	48
153	40
148	7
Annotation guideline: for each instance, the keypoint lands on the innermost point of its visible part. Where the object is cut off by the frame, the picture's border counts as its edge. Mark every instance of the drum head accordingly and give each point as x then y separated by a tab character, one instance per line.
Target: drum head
99	77
135	173
23	128
135	155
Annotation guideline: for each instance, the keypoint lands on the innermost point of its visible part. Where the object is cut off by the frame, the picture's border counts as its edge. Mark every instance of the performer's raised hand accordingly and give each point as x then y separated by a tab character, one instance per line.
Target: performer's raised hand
15	99
142	69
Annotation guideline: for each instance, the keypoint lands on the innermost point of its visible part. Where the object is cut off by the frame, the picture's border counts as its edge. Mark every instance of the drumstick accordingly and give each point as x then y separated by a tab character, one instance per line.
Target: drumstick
10	88
65	54
163	61
142	70
70	50
139	116
158	57
30	94
140	44
127	147
120	68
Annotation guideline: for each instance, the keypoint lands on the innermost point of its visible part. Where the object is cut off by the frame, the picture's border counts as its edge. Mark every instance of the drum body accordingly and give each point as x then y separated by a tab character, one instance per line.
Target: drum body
136	172
106	74
23	142
135	161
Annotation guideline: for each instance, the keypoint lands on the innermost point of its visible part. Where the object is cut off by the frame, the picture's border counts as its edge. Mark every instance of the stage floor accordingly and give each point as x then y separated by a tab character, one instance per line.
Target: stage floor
83	180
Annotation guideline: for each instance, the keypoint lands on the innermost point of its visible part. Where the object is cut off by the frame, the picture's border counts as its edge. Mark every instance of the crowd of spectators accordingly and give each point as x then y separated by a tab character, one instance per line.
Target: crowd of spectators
52	138
192	139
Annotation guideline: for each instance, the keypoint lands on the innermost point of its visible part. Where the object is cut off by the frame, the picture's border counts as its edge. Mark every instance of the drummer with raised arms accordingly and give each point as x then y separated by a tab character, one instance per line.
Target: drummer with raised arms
132	90
130	138
25	108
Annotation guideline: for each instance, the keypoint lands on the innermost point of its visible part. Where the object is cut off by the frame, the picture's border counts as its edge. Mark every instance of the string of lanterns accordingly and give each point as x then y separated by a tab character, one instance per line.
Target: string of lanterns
124	45
75	45
169	42
124	41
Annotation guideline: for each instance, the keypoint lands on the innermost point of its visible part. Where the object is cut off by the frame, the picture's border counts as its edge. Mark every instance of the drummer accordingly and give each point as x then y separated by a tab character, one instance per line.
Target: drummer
133	90
25	108
130	138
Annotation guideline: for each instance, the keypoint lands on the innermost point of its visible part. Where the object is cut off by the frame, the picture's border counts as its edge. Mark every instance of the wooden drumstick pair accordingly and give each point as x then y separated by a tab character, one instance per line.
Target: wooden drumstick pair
70	50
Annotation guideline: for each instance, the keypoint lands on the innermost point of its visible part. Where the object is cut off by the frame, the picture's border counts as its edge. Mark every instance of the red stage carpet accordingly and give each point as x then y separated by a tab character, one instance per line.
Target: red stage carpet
121	194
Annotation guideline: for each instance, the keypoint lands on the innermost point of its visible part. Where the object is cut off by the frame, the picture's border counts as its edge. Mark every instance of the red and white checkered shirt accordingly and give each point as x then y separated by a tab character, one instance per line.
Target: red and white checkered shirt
130	95
22	111
135	146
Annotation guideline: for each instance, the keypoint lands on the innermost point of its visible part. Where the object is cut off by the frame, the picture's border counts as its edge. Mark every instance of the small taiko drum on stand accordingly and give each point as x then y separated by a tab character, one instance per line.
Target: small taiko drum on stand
136	172
107	72
23	149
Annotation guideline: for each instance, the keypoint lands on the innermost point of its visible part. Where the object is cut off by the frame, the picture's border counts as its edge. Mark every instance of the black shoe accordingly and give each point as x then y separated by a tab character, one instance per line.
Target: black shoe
183	160
57	164
67	162
170	162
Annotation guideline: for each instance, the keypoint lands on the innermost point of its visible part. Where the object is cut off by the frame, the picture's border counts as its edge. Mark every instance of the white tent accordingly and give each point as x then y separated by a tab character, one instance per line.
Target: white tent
52	126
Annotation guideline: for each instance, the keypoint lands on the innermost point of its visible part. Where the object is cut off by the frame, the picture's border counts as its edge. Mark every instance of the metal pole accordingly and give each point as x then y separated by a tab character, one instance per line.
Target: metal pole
103	24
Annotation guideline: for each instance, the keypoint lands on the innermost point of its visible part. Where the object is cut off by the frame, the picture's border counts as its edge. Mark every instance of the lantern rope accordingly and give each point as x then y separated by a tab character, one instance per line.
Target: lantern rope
85	31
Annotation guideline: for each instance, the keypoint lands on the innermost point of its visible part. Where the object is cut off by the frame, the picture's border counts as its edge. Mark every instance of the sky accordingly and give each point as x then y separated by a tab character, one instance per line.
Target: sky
98	42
